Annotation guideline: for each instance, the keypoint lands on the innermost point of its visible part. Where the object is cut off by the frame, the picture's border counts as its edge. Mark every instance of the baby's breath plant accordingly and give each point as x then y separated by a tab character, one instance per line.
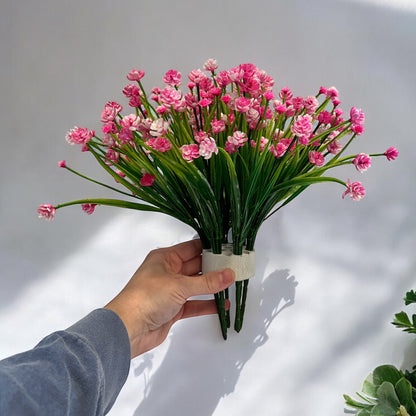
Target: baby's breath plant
222	156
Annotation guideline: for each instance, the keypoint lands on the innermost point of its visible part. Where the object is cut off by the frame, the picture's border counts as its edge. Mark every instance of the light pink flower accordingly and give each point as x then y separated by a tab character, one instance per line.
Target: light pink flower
334	147
190	152
62	164
242	104
170	96
210	65
147	179
112	155
159	127
263	143
135	75
109	127
196	76
207	147
316	158
279	150
88	208
355	190
391	153
46	211
357	116
130	122
229	147
172	78
111	109
302	127
238	138
362	162
79	135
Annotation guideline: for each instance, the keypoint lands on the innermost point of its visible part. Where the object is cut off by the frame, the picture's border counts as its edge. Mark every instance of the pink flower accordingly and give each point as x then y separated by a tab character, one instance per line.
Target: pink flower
205	102
172	78
357	116
217	126
210	65
62	164
242	104
302	127
362	162
268	95
170	96
355	190
325	117
46	211
229	147
131	90
161	144
238	139
147	179
332	92
263	143
79	135
310	103
391	153
316	158
285	94
135	75
112	155
130	122
88	208
111	109
190	152
322	90
207	147
357	129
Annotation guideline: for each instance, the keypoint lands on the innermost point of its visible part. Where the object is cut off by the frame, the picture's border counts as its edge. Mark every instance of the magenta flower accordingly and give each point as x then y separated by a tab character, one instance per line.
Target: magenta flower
334	147
217	126
316	158
147	179
79	135
46	211
62	164
357	116
355	190
362	162
391	153
88	208
172	78
242	104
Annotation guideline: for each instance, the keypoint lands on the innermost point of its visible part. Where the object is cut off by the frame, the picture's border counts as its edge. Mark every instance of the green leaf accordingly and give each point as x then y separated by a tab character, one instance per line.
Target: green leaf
410	297
388	401
368	386
386	373
404	393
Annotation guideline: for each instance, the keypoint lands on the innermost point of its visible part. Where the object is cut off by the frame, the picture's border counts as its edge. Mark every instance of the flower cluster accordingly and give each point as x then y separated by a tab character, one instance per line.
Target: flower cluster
223	153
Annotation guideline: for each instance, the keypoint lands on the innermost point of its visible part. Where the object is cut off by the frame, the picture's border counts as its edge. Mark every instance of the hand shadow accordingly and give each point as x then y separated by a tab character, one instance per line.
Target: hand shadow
196	374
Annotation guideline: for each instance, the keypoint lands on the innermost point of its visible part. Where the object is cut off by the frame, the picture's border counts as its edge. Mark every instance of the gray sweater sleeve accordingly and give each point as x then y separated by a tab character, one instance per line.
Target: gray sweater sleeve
79	371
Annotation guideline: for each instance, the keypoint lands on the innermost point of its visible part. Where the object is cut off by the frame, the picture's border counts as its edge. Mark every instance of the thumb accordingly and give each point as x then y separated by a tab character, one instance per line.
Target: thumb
208	283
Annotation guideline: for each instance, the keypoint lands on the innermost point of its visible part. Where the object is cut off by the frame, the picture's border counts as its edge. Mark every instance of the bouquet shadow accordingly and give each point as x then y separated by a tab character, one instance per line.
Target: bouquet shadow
194	376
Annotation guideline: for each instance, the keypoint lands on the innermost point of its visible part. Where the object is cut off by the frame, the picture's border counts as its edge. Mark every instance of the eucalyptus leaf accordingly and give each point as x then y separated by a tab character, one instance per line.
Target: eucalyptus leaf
386	373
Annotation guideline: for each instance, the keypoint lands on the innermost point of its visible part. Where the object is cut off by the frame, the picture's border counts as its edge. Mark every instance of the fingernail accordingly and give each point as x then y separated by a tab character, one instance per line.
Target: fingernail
227	276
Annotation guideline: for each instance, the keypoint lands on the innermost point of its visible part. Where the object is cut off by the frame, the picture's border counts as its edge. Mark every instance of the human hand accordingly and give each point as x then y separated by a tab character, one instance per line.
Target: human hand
157	294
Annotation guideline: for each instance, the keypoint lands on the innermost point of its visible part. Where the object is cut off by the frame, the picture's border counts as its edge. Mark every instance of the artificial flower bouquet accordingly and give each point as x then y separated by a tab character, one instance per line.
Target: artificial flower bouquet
221	157
388	391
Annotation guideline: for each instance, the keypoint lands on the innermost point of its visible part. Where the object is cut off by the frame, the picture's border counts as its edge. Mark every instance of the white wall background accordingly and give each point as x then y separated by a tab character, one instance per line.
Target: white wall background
330	274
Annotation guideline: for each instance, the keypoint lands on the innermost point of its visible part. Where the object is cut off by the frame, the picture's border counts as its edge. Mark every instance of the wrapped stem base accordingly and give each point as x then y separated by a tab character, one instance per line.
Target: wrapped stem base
244	268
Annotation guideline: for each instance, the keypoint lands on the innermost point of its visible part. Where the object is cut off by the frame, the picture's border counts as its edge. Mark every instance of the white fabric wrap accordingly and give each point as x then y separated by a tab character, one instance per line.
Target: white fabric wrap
243	265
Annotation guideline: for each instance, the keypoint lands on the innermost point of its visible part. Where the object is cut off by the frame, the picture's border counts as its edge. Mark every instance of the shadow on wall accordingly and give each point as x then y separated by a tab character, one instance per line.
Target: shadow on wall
186	385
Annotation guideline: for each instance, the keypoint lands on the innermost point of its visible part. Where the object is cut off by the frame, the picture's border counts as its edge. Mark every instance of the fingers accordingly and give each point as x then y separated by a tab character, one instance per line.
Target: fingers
194	308
188	250
209	283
